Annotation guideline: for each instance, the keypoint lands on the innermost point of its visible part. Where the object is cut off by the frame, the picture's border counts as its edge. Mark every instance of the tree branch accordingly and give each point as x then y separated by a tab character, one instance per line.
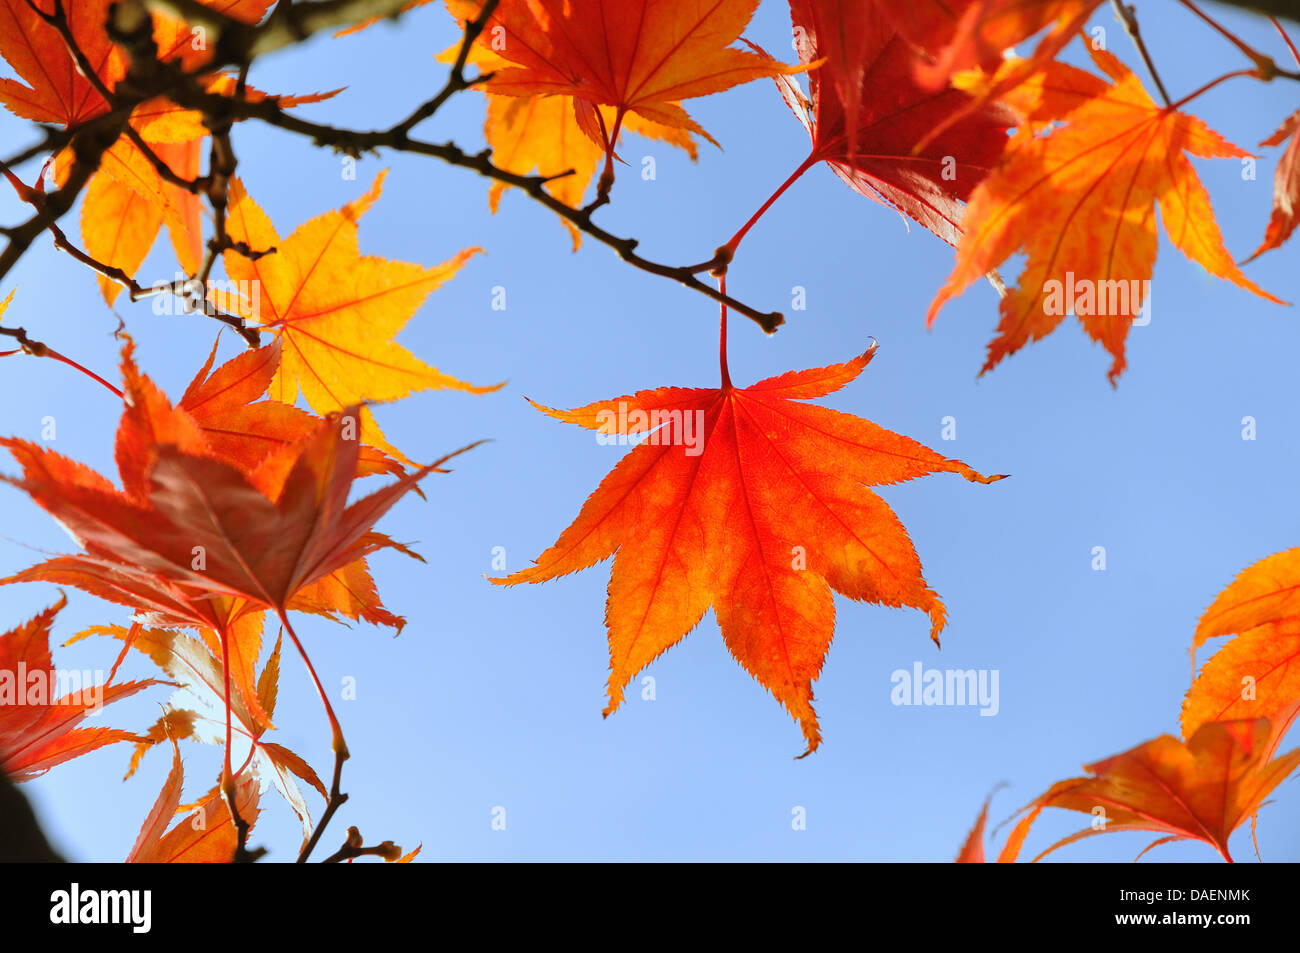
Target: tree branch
354	846
355	142
456	81
1127	15
1273	8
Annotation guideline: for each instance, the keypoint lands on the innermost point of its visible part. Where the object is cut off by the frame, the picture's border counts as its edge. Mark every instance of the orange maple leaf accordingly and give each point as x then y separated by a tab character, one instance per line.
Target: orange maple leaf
38	728
52	88
193	541
118	227
1081	201
206	836
243	429
754	503
972	851
955	35
246	431
541	134
263	537
135	556
1203	789
1286	186
196	710
1257	673
637	56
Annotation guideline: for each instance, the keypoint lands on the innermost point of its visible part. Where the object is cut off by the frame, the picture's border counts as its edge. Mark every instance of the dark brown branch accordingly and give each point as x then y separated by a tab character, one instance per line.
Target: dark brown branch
182	289
354	143
354	847
456	81
52	140
335	801
242	854
87	150
1274	8
136	291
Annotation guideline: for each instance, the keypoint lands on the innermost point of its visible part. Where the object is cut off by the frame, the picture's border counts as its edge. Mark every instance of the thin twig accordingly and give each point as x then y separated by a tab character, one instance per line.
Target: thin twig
355	142
1295	54
1235	74
335	801
39	349
181	289
354	847
1266	68
456	81
59	22
1128	16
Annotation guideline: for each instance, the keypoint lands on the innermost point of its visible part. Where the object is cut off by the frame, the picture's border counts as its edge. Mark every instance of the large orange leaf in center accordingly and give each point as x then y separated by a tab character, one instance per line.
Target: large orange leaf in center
749	501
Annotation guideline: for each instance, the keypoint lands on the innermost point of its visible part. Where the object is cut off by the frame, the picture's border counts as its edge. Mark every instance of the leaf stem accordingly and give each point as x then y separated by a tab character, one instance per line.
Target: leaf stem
1210	85
606	182
38	349
722	336
336	797
1287	40
1265	68
737	238
229	790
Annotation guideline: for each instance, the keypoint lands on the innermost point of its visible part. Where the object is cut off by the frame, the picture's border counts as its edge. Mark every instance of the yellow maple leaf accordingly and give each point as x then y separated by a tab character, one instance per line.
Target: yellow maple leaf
335	311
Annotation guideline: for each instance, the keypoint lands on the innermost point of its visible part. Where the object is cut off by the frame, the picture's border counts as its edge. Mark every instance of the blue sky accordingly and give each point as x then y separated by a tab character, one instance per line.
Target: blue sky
492	698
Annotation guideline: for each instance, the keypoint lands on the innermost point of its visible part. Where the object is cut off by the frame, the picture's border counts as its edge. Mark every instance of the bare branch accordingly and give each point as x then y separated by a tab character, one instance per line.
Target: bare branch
354	143
1127	15
456	81
354	847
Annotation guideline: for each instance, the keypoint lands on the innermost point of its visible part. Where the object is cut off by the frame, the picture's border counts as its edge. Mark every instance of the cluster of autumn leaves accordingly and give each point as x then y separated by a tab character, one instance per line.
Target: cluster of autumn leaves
234	499
1217	776
910	104
232	505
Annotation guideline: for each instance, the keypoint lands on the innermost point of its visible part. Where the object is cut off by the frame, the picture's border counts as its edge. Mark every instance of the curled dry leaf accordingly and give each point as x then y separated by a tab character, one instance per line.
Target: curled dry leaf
1286	186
